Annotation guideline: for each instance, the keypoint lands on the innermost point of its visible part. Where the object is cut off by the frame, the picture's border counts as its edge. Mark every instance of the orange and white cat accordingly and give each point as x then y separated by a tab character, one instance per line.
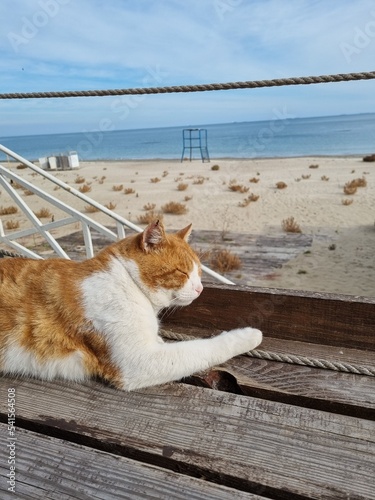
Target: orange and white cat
99	317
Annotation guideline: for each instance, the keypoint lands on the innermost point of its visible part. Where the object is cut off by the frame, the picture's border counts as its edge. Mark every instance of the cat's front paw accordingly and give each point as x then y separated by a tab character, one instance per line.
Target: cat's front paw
244	339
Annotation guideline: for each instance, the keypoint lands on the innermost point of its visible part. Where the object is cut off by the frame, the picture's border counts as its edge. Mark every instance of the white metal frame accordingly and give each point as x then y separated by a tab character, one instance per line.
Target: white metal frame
87	224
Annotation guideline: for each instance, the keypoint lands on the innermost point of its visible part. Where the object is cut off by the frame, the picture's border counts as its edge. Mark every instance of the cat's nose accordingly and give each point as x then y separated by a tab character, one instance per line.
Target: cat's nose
199	289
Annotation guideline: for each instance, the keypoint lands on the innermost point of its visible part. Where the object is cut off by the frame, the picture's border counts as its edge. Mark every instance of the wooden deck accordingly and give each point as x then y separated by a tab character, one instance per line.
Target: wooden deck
249	429
261	255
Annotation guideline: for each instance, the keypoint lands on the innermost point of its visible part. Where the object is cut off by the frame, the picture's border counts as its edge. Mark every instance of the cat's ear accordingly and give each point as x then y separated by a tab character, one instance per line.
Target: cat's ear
184	234
152	236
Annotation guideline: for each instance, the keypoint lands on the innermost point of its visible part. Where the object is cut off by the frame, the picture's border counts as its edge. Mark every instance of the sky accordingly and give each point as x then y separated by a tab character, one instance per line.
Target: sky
50	45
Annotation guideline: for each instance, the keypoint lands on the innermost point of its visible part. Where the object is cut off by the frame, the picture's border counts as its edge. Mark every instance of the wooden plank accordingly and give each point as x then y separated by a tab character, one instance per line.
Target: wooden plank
326	390
51	468
318	318
344	393
268	448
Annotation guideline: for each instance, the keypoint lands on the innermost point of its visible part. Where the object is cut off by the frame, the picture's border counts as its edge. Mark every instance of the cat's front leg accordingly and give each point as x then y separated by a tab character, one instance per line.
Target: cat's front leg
160	363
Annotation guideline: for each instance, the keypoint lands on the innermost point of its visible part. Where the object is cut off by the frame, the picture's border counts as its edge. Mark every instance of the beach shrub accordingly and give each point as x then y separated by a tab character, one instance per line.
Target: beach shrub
188	198
314	166
224	261
118	187
351	186
149	206
215	167
8	210
149	217
324	178
306	176
182	186
12	224
43	213
252	197
369	158
165	173
360	182
129	191
281	185
254	180
21	166
199	180
85	188
154	180
111	205
237	188
347	201
90	209
28	192
290	225
174	207
79	179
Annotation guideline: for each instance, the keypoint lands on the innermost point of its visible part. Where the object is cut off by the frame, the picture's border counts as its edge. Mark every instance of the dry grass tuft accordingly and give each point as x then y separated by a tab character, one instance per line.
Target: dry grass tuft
352	186
117	187
43	213
347	201
12	224
350	189
174	207
237	188
254	180
306	176
111	205
199	180
79	179
359	183
129	191
281	185
369	158
290	225
215	167
149	206
314	166
102	179
149	217
324	178
251	198
165	173
90	209
155	180
182	186
21	166
85	188
28	192
8	210
224	261
188	198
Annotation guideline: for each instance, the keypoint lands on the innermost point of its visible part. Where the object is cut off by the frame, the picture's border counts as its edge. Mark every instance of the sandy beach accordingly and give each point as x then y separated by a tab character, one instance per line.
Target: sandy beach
222	196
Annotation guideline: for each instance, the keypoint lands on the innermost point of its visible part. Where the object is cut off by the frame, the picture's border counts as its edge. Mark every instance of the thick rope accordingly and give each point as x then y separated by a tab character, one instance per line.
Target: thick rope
5	253
291	358
277	82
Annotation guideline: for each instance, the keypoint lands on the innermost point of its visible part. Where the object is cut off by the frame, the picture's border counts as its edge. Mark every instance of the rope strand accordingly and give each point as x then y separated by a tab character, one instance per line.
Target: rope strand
291	358
277	82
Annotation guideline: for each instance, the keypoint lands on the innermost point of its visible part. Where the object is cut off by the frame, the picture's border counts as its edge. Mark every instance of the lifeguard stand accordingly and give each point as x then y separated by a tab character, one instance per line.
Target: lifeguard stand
195	138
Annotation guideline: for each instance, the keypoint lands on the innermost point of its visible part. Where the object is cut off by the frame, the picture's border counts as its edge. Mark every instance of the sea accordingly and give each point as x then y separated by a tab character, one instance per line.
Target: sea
281	136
